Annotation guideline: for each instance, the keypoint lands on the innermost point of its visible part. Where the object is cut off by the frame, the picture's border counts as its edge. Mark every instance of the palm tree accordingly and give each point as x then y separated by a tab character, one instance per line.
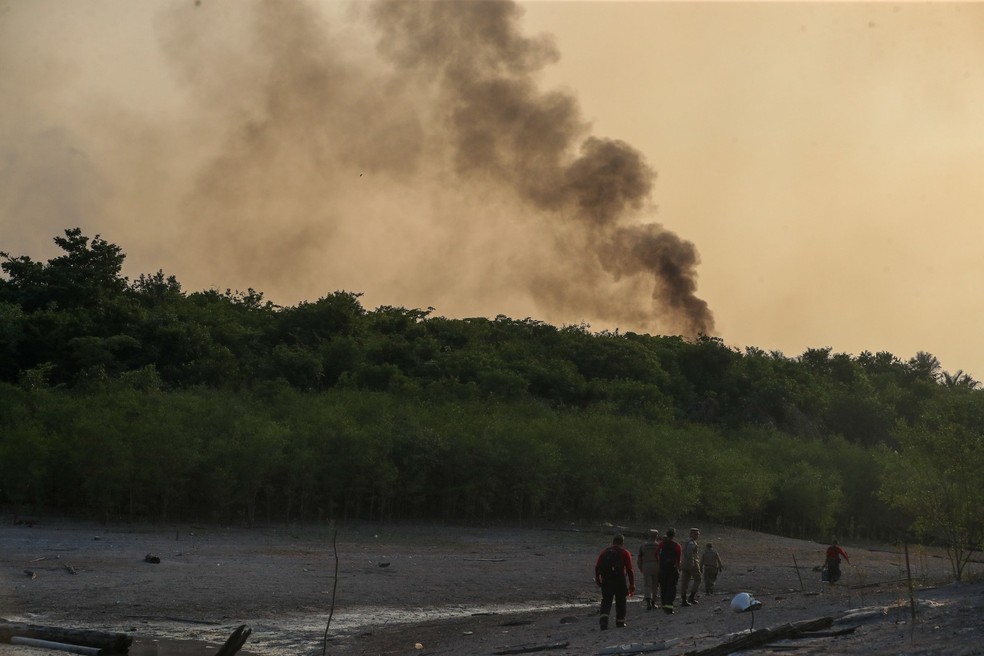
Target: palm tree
926	365
959	379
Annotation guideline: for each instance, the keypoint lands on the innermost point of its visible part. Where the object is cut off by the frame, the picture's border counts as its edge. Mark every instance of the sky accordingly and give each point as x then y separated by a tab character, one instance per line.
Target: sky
783	176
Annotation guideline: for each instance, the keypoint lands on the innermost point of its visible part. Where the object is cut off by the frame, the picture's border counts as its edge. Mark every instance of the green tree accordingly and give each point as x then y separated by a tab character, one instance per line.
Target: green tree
24	450
935	476
959	379
735	485
809	498
88	273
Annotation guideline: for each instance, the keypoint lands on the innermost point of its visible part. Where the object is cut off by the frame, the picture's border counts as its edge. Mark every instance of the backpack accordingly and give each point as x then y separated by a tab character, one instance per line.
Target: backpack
647	558
611	563
667	554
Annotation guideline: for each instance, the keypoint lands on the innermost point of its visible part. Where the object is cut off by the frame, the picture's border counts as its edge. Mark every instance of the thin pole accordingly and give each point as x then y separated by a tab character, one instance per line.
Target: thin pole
334	588
798	575
908	576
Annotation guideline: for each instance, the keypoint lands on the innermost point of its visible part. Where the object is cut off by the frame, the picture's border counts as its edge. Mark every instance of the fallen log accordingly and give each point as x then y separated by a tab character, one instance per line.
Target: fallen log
109	643
764	637
173	618
862	614
827	634
528	649
57	646
638	647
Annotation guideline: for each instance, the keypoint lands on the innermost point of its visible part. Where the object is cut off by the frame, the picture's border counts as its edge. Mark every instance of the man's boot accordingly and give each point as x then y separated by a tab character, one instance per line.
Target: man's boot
693	599
683	601
619	624
604	622
649	603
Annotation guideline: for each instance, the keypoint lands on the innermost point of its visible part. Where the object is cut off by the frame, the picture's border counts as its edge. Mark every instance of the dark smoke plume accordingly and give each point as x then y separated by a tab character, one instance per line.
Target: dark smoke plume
403	150
503	127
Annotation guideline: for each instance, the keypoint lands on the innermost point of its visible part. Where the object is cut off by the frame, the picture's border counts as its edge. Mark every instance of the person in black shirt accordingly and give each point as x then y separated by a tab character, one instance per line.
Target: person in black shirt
669	556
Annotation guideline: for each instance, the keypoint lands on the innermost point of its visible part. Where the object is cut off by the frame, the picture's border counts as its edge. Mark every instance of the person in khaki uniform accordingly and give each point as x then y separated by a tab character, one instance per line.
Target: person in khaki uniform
690	570
649	566
710	565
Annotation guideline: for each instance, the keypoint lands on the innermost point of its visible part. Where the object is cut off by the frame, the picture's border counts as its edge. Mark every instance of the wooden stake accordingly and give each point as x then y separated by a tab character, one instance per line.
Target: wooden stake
908	576
235	641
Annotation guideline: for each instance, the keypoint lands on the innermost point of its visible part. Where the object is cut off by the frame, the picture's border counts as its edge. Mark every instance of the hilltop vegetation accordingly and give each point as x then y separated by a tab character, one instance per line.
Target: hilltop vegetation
136	399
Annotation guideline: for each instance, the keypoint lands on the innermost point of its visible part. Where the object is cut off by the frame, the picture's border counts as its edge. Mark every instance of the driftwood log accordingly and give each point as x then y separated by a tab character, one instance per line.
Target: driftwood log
109	643
56	646
529	649
639	647
765	636
235	641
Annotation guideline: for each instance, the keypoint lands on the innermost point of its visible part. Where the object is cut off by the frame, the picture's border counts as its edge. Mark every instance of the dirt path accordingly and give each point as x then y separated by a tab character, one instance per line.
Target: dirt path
452	590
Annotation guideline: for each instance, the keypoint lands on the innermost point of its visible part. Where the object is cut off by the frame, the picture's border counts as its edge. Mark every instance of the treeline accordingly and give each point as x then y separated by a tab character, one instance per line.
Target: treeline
136	399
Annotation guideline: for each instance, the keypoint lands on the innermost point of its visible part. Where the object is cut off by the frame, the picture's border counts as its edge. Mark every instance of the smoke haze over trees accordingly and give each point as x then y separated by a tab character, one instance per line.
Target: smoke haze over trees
409	154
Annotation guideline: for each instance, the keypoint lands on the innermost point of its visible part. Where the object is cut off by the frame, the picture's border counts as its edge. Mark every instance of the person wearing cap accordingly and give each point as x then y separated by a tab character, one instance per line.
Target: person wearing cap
668	556
614	564
710	563
649	567
690	570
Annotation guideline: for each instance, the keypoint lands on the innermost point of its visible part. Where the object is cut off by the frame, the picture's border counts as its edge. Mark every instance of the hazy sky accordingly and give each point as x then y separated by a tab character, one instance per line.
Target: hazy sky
781	175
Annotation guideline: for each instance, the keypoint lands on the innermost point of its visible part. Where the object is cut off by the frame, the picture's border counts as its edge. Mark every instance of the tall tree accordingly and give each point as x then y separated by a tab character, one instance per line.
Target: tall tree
935	475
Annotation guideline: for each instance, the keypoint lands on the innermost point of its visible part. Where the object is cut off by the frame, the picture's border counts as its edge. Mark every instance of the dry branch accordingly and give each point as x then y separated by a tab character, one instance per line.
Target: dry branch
764	637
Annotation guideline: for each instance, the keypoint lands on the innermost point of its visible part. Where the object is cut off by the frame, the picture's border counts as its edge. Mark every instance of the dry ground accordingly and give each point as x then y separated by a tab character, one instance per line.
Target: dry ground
437	589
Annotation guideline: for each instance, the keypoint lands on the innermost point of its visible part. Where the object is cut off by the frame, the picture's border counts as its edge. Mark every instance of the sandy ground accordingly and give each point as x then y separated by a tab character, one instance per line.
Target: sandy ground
437	589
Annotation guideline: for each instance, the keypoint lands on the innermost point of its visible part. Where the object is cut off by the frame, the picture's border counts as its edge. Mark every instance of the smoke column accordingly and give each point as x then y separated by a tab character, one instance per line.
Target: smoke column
404	150
502	127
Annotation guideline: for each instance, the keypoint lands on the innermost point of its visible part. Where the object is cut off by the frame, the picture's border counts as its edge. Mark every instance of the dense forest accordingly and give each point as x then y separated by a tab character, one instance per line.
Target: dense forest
134	399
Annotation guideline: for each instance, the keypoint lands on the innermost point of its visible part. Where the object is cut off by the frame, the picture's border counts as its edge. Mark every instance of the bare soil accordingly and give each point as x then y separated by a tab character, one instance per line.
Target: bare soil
438	589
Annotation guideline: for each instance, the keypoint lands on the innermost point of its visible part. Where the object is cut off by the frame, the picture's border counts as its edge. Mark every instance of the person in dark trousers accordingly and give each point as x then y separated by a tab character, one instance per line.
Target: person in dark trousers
614	564
669	556
833	563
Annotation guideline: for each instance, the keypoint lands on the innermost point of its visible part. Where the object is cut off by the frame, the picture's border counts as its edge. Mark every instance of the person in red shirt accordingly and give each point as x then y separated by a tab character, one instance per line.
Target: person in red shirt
614	564
833	563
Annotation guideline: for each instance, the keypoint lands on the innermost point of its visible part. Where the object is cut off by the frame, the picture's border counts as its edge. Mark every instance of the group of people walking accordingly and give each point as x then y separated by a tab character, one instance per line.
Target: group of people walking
667	565
664	563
